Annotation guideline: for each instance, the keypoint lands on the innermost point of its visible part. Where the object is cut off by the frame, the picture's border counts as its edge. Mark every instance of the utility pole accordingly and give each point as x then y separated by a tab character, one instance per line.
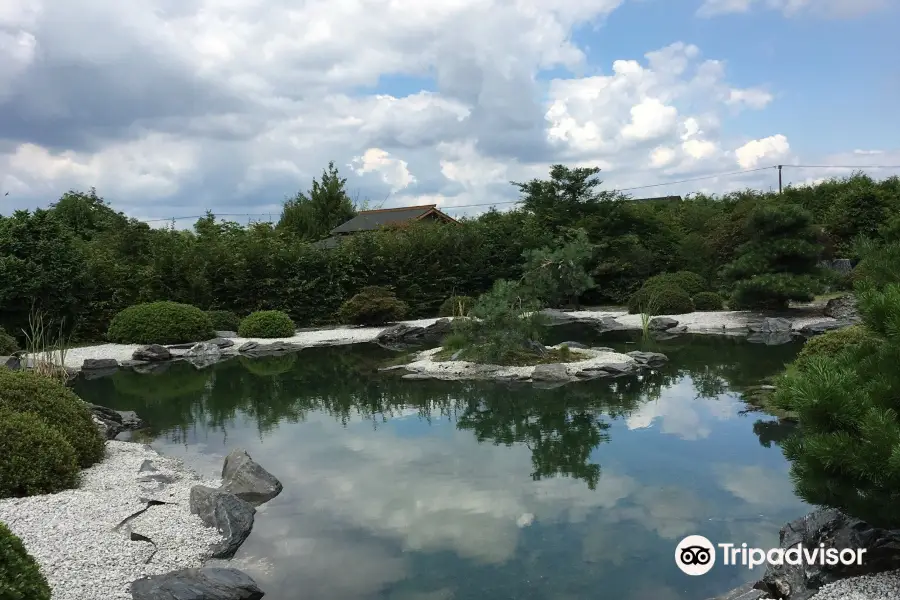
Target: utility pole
779	178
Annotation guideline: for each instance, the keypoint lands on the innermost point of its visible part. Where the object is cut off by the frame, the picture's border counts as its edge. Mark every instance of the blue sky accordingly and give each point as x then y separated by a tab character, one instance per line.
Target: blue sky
169	110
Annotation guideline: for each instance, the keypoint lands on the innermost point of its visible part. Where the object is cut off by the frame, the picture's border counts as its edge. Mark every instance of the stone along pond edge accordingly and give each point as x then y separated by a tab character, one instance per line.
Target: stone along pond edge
142	526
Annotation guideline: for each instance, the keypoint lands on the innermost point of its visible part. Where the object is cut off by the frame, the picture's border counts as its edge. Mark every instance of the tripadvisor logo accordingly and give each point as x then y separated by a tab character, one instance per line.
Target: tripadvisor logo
696	555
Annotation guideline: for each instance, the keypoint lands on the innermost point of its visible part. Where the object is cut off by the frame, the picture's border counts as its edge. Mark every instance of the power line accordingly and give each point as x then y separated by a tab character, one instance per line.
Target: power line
843	166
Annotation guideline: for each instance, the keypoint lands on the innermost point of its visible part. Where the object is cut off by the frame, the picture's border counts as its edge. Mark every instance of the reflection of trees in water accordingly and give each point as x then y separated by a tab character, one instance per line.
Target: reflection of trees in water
561	426
770	432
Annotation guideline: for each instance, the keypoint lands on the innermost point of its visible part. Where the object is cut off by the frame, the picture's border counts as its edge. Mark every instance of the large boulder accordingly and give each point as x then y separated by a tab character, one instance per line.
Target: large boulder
99	364
745	592
652	360
551	372
843	307
246	479
10	362
814	329
221	342
230	515
152	353
401	336
772	331
835	530
197	584
113	422
661	324
256	350
203	354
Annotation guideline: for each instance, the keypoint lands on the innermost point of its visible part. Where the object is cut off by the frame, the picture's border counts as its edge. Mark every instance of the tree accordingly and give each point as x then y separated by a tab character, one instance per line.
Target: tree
565	199
314	214
560	274
779	262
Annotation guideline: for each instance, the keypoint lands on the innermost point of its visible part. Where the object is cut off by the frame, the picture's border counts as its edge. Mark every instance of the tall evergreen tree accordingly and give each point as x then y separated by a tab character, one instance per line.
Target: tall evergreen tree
312	215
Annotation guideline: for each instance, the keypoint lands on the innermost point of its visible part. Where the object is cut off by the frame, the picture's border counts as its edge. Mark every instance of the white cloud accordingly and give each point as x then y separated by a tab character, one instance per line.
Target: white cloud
393	171
751	154
820	8
752	98
679	413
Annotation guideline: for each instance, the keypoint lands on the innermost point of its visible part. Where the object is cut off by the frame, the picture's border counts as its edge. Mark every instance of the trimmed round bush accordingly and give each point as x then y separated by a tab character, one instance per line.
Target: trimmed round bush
456	306
8	343
160	323
373	305
37	459
224	320
834	342
20	575
660	299
57	406
689	281
267	324
708	301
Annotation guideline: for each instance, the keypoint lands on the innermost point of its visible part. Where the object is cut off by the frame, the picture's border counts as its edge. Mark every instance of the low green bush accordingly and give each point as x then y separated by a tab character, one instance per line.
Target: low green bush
57	406
267	324
832	343
689	281
456	306
37	459
373	305
8	343
224	320
160	323
660	299
20	575
708	301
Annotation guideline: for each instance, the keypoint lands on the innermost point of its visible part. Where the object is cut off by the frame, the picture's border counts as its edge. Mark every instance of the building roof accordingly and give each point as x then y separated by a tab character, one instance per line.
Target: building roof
658	199
369	220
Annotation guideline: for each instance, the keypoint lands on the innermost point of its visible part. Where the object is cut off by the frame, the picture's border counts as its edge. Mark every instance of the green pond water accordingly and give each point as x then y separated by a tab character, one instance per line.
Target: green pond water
422	490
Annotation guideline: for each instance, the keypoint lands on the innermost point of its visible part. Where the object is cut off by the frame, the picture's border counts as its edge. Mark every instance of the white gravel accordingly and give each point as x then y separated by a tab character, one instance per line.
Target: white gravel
883	586
70	533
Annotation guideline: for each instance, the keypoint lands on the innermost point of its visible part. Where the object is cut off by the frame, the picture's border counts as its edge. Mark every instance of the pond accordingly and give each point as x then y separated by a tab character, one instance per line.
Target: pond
429	490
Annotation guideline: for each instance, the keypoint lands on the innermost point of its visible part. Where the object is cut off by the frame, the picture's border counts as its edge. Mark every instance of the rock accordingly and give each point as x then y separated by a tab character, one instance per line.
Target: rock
113	421
248	346
574	345
208	583
771	339
614	369
247	480
649	359
536	347
814	329
10	362
152	353
273	349
98	364
153	368
401	336
661	323
185	346
230	515
147	467
770	325
842	308
835	530
203	354
552	372
572	326
745	592
221	342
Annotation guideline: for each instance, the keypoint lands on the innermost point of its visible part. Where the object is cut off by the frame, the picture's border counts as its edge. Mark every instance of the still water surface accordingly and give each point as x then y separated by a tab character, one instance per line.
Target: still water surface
417	490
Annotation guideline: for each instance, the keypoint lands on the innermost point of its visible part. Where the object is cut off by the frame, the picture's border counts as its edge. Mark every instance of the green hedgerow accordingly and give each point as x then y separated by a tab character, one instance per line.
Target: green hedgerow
689	281
20	575
456	306
8	343
224	320
57	406
832	343
708	301
660	299
267	324
37	459
160	323
373	305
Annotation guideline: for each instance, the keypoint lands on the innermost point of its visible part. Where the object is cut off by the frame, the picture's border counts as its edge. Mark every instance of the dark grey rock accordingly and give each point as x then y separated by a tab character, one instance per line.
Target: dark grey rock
574	345
649	359
835	530
843	308
91	364
536	347
152	353
615	369
113	421
248	346
563	322
273	349
814	329
745	592
91	374
775	338
221	342
770	325
10	362
152	368
208	583
230	515
147	467
401	336
184	346
203	354
131	363
661	323
246	479
552	372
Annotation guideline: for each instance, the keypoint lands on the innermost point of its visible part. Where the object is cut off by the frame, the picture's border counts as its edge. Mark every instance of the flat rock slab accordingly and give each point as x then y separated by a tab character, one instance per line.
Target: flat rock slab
230	515
197	584
91	364
246	479
152	353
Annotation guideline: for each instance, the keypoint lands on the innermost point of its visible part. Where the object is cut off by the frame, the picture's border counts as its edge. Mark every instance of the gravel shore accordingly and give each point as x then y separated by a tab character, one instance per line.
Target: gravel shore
71	536
883	586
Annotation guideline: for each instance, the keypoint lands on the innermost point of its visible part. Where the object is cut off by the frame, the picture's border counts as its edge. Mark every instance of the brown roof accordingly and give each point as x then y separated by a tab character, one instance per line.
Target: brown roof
369	220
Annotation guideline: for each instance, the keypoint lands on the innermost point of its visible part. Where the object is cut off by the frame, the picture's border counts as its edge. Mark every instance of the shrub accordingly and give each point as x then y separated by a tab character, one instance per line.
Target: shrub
456	306
660	299
37	459
224	320
373	305
706	301
267	324
8	343
57	406
20	576
832	343
689	281
160	323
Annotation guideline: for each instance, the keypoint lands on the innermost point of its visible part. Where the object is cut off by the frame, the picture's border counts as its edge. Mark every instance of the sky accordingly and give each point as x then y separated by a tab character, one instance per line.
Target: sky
170	108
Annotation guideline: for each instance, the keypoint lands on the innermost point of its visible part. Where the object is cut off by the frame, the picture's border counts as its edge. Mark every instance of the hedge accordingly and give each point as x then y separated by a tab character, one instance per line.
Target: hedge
267	324
160	323
708	301
373	305
57	406
20	575
37	459
690	282
661	299
224	320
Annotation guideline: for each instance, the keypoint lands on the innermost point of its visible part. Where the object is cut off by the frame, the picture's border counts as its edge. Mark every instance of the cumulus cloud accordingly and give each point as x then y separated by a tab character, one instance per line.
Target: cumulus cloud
751	154
819	8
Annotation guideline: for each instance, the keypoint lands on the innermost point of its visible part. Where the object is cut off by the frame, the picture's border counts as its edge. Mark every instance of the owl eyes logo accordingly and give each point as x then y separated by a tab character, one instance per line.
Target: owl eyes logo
695	555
